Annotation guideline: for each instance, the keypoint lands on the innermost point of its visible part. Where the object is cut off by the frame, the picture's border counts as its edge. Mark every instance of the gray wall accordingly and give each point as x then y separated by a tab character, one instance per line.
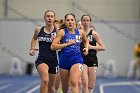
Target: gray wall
106	9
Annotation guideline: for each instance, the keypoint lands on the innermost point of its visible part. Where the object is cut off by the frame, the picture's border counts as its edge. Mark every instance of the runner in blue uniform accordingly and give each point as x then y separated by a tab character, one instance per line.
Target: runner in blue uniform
46	63
70	61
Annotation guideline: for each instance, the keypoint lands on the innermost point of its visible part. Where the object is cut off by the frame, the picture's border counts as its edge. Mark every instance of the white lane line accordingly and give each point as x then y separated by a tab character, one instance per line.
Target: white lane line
33	89
26	87
122	83
101	89
128	83
4	86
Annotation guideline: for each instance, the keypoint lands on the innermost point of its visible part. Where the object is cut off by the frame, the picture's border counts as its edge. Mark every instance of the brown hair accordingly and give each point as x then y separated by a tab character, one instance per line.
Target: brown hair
70	14
62	26
86	15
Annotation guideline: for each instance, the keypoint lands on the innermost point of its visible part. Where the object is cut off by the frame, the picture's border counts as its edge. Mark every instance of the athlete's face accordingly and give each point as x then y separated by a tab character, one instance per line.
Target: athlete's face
49	18
79	25
70	22
86	21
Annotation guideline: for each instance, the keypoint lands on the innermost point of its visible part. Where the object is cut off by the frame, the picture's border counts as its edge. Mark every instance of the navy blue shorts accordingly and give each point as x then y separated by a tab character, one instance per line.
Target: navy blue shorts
51	62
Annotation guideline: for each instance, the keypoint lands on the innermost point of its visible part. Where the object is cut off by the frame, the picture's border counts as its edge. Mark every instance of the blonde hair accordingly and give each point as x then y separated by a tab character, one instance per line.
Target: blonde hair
49	11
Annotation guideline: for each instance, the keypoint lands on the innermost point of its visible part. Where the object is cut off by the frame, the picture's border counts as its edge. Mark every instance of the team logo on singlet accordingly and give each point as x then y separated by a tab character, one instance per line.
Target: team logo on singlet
78	38
45	39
